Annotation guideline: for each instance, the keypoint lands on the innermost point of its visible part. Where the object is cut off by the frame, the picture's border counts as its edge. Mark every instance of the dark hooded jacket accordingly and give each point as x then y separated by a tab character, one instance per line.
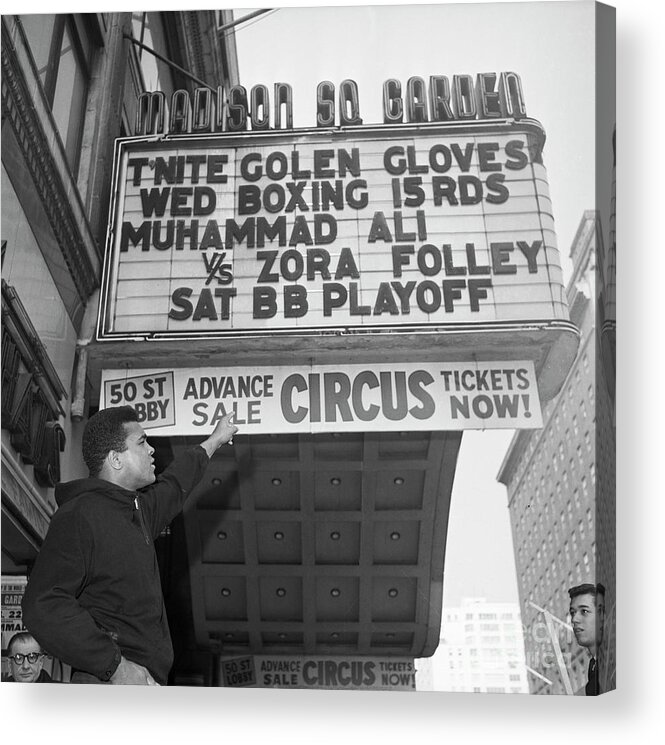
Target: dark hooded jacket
95	591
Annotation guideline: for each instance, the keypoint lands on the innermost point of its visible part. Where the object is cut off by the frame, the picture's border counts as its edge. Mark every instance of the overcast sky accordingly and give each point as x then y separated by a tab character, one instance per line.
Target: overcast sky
550	45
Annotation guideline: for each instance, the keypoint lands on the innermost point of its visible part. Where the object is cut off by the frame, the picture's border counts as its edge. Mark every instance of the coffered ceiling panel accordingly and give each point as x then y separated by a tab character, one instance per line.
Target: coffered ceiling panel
321	544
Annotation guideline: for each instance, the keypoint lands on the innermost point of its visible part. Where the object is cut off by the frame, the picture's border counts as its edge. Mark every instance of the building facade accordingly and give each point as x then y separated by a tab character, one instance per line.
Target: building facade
561	488
322	531
481	649
70	87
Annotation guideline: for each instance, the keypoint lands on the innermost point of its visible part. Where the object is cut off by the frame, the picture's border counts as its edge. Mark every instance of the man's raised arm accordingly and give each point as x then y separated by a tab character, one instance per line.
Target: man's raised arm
222	434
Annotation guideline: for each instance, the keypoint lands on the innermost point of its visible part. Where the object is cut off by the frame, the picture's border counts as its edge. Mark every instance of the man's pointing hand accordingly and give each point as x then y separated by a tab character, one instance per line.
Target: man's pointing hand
222	434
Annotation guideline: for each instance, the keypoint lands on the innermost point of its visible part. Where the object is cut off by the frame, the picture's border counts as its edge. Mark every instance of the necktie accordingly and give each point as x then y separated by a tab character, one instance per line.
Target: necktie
592	687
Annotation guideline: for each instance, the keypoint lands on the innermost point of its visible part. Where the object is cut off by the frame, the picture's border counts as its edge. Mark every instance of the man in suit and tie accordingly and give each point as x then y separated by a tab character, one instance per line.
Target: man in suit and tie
587	616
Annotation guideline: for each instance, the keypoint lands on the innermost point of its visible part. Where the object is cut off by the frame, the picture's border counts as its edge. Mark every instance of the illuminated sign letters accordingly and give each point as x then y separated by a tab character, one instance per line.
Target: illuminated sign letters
439	99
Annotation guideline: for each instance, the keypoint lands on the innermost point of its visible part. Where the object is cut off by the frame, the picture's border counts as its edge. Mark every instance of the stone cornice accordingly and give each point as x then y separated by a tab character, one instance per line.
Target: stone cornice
25	500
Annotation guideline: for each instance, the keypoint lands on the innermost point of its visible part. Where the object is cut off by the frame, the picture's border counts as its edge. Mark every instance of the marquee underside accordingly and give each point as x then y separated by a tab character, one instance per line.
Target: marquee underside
321	544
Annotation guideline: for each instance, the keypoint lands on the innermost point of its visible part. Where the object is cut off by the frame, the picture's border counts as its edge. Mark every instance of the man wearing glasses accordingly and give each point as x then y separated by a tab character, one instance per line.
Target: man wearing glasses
26	660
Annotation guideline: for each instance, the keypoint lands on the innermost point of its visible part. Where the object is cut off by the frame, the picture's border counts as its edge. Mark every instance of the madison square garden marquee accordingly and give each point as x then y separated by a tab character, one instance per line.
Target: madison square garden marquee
398	244
367	279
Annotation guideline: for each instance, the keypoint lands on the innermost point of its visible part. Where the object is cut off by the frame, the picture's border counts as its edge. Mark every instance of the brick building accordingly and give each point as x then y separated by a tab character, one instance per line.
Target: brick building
561	484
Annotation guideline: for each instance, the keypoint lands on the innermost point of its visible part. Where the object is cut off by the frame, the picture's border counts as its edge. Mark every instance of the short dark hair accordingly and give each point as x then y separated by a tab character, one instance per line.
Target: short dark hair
105	431
21	636
587	589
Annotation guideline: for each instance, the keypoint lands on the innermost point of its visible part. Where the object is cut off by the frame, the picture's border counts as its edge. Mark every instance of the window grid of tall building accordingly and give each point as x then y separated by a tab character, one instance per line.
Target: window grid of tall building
560	482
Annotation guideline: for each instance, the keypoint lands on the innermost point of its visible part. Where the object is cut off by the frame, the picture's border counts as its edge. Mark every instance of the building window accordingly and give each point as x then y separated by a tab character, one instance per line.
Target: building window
39	31
31	393
62	49
148	29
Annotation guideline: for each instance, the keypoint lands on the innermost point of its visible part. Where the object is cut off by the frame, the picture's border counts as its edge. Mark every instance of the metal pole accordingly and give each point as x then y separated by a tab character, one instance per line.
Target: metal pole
563	670
538	675
554	618
168	62
248	17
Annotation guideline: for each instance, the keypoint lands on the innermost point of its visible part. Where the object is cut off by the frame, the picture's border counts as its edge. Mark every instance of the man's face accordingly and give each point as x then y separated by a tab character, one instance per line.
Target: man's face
138	464
26	672
586	617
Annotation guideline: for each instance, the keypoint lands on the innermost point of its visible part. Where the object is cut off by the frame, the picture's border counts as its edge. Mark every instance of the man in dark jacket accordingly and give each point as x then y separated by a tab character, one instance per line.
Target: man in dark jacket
94	596
587	617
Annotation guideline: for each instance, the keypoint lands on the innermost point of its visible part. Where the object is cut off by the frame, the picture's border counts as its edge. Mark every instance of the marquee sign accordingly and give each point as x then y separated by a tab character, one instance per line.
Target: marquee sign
320	672
440	99
373	227
323	398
